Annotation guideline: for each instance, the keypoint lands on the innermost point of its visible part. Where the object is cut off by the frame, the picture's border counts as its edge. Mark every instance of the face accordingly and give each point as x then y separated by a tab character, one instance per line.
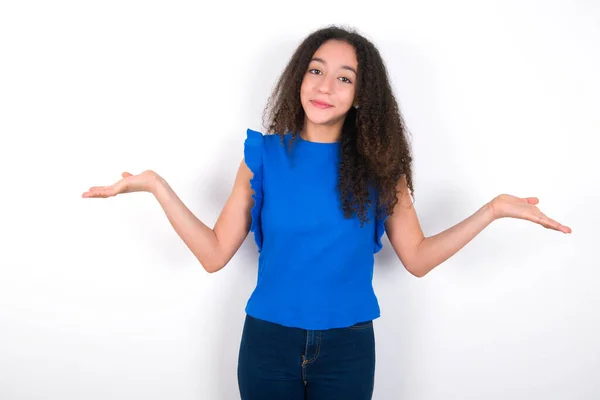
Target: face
328	87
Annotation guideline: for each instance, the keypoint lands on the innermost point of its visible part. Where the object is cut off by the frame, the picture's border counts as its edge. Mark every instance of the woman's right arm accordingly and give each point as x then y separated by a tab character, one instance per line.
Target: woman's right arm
213	248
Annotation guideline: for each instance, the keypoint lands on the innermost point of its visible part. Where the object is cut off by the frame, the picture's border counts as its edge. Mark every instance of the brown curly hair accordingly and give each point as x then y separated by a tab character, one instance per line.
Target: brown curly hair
375	152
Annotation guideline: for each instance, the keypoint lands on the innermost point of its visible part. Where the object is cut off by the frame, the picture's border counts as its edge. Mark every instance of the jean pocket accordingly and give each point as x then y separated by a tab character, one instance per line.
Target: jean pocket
360	326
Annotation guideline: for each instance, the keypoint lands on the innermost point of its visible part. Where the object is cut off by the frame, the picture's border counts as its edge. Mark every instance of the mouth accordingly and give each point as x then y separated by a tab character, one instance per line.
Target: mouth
320	104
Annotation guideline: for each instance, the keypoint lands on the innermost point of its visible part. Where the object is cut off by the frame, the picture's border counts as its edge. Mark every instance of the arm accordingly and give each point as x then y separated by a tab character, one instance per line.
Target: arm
215	247
212	247
421	254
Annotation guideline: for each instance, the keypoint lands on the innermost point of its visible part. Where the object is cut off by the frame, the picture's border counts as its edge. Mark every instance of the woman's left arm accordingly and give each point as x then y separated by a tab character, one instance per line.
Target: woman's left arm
420	254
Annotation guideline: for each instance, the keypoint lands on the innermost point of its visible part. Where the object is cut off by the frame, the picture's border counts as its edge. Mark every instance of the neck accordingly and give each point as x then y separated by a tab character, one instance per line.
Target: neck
321	133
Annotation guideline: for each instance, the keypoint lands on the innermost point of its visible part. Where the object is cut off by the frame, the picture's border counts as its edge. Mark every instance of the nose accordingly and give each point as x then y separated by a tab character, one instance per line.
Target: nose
325	85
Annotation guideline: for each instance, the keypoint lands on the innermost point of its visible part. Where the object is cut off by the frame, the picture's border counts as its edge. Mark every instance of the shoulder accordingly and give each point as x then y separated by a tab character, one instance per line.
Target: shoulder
256	138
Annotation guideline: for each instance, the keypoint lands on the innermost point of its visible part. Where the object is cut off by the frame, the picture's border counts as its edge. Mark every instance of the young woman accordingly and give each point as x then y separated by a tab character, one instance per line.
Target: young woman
318	190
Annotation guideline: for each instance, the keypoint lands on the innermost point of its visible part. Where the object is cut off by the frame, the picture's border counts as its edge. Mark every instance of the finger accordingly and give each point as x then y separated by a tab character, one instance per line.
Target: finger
538	217
559	227
96	188
105	189
532	200
565	229
100	191
126	174
97	194
552	224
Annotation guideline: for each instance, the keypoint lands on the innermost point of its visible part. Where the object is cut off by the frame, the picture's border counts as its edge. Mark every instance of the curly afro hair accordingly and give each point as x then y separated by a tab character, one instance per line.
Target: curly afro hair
375	152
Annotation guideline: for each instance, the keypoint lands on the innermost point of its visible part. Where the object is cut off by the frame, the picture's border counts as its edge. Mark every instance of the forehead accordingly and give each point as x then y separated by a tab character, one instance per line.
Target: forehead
336	53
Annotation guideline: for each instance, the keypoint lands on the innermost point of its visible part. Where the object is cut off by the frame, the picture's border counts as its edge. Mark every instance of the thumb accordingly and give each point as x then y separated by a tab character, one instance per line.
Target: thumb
532	200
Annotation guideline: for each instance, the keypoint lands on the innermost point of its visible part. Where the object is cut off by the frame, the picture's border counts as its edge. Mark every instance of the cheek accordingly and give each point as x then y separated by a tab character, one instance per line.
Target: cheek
306	84
347	96
305	91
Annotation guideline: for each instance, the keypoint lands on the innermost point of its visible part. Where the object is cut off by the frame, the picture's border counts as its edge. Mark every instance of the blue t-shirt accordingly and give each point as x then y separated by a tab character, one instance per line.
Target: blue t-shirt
315	267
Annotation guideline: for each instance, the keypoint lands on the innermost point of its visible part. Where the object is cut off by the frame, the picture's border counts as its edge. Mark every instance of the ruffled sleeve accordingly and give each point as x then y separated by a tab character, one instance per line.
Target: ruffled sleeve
253	156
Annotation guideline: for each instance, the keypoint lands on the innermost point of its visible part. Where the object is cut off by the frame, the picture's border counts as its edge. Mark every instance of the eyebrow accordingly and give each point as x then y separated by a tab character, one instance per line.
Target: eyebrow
343	66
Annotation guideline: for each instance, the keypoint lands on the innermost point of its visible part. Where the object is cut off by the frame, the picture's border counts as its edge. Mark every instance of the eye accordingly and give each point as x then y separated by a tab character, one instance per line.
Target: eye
345	80
314	71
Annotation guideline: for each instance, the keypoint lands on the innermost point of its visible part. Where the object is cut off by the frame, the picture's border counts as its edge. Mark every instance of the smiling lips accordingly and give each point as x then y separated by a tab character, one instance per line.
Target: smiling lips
320	104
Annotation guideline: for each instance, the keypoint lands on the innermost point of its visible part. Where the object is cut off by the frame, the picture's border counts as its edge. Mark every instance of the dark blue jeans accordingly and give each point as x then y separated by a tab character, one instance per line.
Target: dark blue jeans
282	363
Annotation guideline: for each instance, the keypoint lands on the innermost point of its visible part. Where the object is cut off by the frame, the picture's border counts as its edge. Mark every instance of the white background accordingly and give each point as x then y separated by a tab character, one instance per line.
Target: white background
100	299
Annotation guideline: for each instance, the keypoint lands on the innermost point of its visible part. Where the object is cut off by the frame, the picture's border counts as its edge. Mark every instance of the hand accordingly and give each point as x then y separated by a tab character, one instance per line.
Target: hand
507	206
144	182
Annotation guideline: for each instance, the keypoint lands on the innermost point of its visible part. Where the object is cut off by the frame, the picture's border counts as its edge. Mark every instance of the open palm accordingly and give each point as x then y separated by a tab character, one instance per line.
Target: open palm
128	184
508	206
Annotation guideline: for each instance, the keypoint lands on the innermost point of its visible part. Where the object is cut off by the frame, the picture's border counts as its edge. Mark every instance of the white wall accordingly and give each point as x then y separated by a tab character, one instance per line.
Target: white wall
99	299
